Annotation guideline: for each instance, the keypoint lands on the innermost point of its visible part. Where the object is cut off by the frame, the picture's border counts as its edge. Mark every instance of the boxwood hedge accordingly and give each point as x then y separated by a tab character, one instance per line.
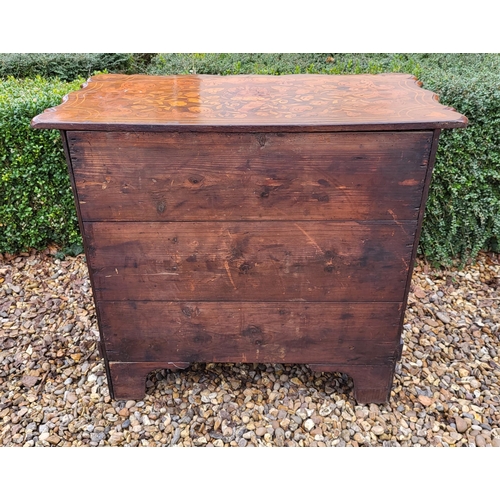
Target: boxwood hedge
36	204
463	212
69	66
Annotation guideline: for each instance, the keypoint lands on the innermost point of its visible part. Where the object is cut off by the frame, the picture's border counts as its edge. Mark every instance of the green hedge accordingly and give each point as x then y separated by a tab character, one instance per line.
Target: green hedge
281	64
68	66
36	204
463	211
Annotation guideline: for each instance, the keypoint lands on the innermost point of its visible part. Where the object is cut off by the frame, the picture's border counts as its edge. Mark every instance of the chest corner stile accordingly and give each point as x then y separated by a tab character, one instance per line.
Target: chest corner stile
251	219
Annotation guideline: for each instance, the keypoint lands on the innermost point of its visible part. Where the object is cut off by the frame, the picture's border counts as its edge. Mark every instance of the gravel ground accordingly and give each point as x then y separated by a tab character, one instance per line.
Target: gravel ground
54	392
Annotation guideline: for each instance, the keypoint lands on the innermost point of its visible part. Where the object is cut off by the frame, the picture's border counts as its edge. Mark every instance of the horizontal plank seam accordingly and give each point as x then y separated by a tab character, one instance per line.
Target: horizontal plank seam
260	221
299	301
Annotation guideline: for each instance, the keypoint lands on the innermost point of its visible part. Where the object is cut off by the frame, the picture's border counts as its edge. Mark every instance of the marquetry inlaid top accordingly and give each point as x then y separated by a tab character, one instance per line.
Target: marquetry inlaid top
250	103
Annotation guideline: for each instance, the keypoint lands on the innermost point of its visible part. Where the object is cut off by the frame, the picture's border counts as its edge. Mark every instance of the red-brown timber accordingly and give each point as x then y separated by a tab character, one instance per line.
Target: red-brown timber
197	176
251	218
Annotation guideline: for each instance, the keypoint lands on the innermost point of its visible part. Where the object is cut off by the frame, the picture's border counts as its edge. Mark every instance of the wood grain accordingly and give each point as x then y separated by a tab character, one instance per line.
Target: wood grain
250	103
251	261
195	176
249	332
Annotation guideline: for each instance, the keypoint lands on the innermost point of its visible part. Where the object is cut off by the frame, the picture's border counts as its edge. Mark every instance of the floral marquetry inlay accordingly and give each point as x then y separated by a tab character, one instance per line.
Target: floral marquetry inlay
250	102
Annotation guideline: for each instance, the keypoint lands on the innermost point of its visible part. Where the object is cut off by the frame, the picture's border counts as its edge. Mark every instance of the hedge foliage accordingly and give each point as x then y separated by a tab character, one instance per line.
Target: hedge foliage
36	203
282	64
463	211
68	67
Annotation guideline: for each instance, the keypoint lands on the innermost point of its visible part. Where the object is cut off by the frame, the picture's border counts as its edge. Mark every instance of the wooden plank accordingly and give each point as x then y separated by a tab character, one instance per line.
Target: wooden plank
251	103
250	332
206	176
251	261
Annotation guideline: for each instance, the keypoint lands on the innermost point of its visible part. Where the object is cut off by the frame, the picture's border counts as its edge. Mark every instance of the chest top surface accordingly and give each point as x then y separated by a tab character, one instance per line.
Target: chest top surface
250	103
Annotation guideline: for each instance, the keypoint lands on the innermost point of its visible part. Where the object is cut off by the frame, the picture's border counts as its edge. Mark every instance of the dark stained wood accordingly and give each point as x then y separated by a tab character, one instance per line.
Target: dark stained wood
251	218
319	348
207	176
227	261
251	103
250	332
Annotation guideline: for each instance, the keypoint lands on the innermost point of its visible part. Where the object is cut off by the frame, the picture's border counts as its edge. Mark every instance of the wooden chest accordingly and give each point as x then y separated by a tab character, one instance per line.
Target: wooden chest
254	219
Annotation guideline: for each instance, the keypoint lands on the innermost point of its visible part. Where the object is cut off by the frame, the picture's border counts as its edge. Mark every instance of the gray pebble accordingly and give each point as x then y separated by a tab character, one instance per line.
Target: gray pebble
97	436
443	317
176	436
279	432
